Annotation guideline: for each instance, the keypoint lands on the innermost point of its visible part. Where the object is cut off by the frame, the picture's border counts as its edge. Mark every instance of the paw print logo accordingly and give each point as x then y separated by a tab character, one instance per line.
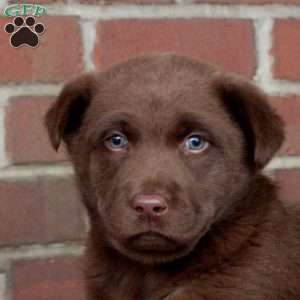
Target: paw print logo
24	32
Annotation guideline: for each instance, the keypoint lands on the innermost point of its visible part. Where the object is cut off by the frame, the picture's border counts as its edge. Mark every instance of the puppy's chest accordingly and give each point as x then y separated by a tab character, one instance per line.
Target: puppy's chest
136	286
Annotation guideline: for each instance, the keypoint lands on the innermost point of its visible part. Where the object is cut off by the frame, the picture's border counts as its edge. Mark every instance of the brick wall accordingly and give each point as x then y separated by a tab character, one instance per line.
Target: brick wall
42	222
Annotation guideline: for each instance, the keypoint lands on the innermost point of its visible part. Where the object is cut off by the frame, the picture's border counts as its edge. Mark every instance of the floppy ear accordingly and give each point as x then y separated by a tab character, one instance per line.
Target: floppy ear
64	117
248	107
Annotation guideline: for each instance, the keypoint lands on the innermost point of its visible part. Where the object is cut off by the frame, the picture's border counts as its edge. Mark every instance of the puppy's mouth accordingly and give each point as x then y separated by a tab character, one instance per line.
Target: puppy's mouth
151	241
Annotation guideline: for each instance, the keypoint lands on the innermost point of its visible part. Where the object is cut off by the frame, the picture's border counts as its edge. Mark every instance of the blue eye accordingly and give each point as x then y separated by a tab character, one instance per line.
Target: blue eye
195	143
117	141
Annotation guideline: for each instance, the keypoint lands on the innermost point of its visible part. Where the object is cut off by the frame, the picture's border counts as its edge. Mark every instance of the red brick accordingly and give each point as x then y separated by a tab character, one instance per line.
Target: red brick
195	1
139	1
48	279
43	210
289	109
38	1
58	57
286	49
142	2
225	42
250	1
289	185
26	137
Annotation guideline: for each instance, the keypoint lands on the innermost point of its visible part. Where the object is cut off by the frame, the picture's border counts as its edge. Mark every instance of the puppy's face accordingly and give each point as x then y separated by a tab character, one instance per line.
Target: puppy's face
164	147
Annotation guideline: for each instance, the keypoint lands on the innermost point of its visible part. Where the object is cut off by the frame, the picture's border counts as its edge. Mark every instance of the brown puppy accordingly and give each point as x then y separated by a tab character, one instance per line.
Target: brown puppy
168	153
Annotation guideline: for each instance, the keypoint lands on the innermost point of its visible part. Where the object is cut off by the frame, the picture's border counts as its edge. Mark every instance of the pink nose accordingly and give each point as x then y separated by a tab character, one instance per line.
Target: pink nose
150	205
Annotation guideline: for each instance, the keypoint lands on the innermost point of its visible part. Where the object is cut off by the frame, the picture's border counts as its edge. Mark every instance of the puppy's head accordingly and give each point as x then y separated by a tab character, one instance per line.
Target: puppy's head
163	147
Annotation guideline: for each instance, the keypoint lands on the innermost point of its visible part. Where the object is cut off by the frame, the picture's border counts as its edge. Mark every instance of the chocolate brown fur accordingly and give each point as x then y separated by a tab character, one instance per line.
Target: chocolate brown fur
225	235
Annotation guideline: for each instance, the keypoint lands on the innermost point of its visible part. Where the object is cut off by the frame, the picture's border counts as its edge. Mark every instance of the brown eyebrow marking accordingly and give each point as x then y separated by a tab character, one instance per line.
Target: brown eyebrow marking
188	122
115	121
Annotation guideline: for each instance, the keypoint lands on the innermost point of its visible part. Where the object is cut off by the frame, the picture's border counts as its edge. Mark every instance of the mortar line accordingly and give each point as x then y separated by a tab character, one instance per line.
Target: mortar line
32	89
3	4
263	42
27	172
284	163
8	254
3	286
171	11
271	86
88	33
4	161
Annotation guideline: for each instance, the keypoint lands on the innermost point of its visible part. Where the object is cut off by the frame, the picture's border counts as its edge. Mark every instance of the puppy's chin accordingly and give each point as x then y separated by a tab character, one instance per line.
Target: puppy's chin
153	248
